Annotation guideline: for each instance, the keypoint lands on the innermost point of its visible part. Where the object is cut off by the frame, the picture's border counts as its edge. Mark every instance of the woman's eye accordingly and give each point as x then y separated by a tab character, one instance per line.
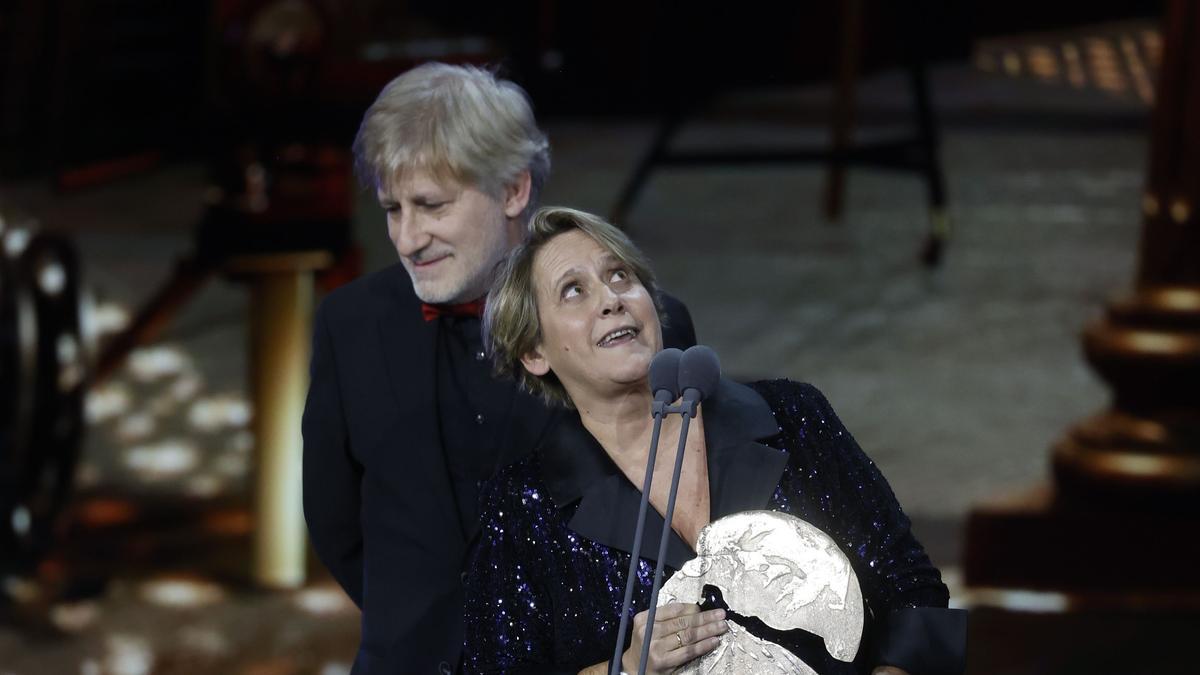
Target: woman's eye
571	290
619	275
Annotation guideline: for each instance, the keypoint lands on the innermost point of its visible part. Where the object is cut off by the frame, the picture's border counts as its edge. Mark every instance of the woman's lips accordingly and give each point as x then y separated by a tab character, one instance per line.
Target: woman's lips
626	338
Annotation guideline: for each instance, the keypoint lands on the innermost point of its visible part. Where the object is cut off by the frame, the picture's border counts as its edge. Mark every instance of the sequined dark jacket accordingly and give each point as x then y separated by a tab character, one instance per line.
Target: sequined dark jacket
546	579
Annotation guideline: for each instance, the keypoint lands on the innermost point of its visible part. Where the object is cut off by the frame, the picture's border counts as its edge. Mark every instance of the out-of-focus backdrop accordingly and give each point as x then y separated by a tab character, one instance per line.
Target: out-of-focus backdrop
918	207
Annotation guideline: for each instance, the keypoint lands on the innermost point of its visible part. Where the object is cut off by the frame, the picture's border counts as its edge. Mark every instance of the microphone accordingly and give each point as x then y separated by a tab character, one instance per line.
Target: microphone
699	373
664	375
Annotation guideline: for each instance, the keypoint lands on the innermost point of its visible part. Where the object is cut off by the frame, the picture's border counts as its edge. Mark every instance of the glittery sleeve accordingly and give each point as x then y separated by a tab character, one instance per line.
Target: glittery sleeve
509	621
831	483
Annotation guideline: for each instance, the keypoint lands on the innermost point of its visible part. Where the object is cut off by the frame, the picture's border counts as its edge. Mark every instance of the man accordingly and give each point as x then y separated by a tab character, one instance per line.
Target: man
404	420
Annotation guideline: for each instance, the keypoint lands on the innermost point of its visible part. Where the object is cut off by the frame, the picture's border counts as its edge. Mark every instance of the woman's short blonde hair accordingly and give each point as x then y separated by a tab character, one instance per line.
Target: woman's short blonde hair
511	327
457	122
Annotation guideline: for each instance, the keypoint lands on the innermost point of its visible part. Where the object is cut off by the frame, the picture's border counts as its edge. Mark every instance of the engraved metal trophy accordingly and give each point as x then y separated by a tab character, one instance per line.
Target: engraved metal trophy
781	571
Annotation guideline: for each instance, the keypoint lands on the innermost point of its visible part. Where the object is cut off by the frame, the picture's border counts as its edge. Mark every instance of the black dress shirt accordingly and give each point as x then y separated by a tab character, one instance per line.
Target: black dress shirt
473	409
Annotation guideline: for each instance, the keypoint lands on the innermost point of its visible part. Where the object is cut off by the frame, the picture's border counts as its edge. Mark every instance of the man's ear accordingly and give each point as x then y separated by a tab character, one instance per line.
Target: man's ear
516	195
535	363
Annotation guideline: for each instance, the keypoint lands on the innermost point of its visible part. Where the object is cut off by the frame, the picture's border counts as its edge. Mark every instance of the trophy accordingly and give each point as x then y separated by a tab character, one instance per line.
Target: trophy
789	590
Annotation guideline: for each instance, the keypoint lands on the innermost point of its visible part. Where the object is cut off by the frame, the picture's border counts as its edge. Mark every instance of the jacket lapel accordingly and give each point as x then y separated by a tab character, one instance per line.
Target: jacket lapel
742	472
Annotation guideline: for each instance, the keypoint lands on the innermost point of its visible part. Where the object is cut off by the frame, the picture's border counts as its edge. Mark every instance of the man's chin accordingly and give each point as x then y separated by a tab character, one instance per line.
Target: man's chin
438	293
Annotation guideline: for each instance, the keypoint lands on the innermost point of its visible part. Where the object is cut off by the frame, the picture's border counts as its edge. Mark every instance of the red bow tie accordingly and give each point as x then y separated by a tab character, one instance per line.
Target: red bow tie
473	308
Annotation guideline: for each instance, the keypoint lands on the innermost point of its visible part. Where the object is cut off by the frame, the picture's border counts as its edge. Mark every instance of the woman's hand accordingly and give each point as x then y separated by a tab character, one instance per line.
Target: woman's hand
681	633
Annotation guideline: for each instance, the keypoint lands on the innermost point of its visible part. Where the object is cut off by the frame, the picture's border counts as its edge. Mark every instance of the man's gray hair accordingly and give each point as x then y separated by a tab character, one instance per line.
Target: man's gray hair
457	122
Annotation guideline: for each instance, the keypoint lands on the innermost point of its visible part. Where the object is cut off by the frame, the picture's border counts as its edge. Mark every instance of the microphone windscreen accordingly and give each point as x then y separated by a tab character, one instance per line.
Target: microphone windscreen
664	374
699	369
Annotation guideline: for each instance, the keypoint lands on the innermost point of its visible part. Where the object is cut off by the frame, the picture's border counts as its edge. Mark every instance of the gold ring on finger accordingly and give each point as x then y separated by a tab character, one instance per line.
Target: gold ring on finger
680	638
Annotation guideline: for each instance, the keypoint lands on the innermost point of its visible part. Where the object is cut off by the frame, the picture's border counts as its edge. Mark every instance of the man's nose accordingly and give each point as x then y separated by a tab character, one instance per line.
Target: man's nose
409	235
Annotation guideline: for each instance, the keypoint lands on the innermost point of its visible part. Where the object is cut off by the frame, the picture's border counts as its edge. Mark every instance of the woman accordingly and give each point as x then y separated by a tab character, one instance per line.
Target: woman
573	316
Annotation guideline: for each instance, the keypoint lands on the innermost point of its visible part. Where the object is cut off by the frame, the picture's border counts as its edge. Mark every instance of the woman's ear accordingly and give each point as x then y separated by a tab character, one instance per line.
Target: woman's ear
535	363
516	195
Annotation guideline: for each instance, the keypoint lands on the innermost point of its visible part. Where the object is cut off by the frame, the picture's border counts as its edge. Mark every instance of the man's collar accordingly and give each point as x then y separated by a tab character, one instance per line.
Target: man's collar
742	473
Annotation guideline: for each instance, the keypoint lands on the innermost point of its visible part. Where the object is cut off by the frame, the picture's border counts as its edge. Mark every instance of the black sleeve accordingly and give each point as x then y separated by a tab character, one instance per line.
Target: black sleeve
678	330
913	627
831	483
331	476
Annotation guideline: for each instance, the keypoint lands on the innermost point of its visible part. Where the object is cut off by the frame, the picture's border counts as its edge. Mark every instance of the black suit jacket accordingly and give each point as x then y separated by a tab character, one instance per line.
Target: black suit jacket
377	495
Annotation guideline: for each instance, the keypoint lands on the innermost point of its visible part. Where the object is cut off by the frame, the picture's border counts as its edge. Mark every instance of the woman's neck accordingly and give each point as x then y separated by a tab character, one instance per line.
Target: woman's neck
623	425
620	421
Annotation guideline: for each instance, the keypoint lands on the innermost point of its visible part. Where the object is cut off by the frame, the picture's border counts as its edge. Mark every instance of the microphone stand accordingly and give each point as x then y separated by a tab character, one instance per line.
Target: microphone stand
686	408
660	410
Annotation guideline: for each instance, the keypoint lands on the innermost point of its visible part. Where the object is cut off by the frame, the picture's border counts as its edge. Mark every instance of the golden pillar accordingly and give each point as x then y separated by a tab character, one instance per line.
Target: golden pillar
281	307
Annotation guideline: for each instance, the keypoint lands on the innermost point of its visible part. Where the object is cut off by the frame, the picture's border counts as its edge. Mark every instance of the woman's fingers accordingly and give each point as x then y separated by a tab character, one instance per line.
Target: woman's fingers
675	656
696	634
674	610
681	633
713	627
688	621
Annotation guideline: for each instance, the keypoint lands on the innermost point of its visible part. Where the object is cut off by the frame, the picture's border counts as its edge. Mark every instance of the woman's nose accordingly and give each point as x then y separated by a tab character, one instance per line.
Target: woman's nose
612	302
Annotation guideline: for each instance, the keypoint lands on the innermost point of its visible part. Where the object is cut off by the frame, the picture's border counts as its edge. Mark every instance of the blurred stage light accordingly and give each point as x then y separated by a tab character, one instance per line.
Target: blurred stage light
21	521
106	402
127	655
1012	63
1076	75
181	593
152	363
323	600
74	617
219	412
1043	62
1020	600
167	459
52	278
70	366
15	241
109	317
